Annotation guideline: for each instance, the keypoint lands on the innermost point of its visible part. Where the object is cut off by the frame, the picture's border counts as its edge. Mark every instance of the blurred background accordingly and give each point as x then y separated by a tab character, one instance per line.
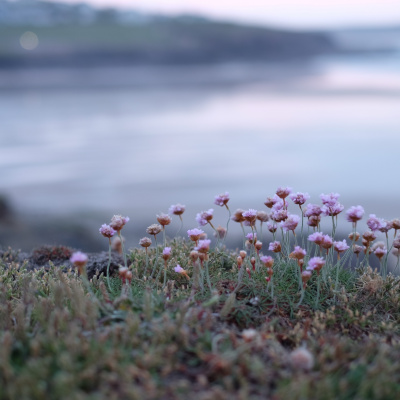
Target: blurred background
127	107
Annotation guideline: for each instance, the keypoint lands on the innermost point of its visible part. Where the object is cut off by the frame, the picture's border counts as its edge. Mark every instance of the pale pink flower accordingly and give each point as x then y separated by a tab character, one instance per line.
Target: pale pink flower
315	264
167	251
145	242
380	252
271	201
299	198
178	269
329	200
375	223
275	247
203	246
279	216
164	219
238	216
291	223
251	237
204	217
283	192
302	359
78	259
154	229
272	227
314	221
220	232
107	231
250	215
327	243
194	234
268	261
316	237
118	222
340	246
312	210
332	210
222	199
387	227
177	209
262	216
298	253
354	214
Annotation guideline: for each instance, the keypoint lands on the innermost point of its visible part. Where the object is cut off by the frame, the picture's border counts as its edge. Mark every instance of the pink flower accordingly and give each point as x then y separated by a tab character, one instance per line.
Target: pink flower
275	247
250	215
222	199
107	231
272	227
315	264
279	216
317	238
387	228
203	246
268	261
204	217
283	192
329	199
271	201
78	259
327	243
332	210
118	222
262	216
313	210
179	269
251	237
380	252
291	223
375	223
164	219
340	247
177	209
194	234
298	253
167	251
354	214
299	198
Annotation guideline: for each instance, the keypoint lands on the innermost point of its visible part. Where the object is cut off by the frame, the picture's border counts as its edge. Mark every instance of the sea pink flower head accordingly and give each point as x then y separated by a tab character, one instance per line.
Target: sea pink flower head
238	216
279	216
314	221
250	215
222	199
268	261
329	200
316	237
387	227
272	227
298	253
164	219
290	224
167	251
375	223
204	217
178	269
118	222
340	247
251	237
220	232
279	205
332	210
262	216
194	234
107	231
354	214
315	264
299	198
283	192
203	246
327	243
271	201
79	259
380	252
313	210
145	242
177	209
275	247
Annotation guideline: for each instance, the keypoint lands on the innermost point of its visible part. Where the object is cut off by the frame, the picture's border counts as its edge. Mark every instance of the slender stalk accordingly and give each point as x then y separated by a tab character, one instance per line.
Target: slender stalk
123	249
109	263
318	289
180	228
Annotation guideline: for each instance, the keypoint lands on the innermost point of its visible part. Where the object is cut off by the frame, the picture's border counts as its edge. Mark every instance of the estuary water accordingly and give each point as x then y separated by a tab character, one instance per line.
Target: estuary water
136	140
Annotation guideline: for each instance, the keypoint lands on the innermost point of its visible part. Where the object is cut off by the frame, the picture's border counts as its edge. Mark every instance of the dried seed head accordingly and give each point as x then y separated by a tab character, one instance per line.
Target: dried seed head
396	243
194	255
239	261
369	236
177	209
275	247
258	245
242	254
154	229
238	215
220	232
305	276
396	223
357	249
314	220
118	222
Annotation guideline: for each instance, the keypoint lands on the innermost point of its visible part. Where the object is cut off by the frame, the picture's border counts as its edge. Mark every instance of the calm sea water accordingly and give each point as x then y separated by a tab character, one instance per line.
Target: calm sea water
136	141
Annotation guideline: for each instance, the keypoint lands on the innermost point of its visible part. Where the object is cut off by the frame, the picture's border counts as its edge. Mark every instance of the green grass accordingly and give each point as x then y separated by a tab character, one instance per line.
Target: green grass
60	340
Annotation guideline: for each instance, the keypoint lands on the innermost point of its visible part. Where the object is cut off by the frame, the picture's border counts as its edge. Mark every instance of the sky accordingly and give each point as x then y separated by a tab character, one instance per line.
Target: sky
291	13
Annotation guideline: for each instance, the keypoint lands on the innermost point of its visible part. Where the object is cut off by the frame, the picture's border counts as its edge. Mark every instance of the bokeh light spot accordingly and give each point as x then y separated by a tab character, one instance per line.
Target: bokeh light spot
29	40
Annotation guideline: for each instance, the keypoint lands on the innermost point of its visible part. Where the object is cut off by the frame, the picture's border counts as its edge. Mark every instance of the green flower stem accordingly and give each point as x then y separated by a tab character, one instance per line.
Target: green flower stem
227	223
109	263
156	261
123	249
318	290
208	276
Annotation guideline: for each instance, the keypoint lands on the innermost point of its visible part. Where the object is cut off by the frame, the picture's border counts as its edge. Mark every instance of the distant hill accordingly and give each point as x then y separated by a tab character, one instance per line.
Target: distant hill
82	35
